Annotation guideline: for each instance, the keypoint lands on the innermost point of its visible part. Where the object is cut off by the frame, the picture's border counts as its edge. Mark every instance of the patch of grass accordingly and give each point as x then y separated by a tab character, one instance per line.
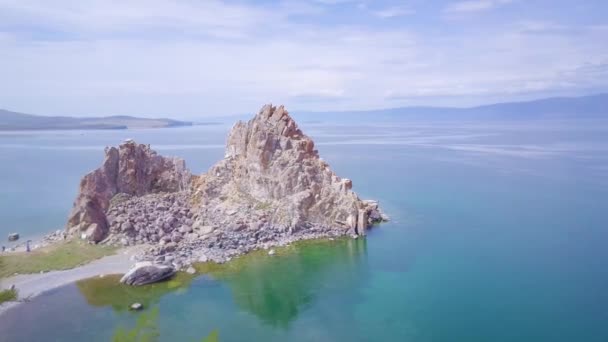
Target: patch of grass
263	206
8	295
59	256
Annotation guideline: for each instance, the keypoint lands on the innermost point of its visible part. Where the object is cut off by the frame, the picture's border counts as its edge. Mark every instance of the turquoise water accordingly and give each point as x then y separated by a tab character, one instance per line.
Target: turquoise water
498	234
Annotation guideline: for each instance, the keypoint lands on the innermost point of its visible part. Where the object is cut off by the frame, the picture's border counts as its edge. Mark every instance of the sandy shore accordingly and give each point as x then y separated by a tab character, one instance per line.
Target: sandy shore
31	285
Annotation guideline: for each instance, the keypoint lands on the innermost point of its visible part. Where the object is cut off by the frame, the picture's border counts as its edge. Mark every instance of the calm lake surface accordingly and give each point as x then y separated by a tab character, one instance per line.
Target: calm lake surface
499	233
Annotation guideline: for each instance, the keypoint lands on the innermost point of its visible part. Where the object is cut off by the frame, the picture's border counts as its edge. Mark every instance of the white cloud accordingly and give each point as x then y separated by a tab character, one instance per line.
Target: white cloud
334	2
189	58
393	12
470	6
92	17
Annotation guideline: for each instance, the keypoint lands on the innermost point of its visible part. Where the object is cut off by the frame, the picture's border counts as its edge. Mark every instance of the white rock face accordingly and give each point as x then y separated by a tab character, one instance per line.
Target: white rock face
273	166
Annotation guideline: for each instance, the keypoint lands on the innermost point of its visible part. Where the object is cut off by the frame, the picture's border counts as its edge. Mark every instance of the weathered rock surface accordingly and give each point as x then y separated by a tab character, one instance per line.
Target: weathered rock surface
132	169
271	189
271	166
147	273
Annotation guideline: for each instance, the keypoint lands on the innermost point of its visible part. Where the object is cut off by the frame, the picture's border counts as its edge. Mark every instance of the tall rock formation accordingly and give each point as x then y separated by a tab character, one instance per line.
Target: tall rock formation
270	164
271	188
132	169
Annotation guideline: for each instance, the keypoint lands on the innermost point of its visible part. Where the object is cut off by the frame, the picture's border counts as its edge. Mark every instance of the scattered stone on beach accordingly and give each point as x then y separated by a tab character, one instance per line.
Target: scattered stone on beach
13	237
191	270
136	306
271	252
147	273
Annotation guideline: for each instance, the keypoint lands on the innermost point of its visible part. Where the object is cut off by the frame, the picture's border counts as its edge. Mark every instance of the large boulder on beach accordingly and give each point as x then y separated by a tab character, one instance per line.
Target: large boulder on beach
147	273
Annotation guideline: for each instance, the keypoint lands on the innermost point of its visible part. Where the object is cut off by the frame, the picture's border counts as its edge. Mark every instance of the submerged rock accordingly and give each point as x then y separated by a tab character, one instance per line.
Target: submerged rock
13	236
147	273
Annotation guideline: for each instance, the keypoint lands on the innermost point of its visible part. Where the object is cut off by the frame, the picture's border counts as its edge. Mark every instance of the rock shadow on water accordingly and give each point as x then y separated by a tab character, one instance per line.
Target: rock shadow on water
278	288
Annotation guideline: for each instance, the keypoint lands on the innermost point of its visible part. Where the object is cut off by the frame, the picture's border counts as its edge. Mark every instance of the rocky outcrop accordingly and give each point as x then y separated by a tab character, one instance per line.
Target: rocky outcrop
272	188
271	166
132	169
147	273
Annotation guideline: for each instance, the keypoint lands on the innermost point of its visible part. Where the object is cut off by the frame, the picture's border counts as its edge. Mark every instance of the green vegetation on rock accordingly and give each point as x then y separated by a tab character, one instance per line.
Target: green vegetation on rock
59	256
8	295
263	206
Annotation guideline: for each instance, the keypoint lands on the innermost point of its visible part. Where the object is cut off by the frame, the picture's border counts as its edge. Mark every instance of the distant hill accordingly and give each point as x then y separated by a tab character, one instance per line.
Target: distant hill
13	121
585	107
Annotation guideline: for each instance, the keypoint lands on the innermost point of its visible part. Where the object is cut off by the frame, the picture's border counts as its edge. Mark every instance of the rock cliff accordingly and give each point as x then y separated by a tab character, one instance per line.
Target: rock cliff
271	188
132	169
274	168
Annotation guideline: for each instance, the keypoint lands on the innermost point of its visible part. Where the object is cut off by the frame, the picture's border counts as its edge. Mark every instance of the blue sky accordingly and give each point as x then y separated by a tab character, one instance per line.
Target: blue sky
186	58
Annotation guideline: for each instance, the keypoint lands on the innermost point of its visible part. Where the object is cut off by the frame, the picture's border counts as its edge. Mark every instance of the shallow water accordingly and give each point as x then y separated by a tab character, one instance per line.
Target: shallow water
498	234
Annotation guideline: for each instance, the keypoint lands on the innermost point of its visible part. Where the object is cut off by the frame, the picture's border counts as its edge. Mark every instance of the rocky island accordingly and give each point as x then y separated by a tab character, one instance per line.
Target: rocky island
271	189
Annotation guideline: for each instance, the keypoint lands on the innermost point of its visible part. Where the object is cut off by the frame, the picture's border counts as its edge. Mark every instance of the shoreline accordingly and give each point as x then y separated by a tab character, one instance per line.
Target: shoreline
30	286
37	241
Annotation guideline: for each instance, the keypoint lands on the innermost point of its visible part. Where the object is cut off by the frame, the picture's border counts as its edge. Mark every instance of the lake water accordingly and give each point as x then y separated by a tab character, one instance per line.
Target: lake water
499	233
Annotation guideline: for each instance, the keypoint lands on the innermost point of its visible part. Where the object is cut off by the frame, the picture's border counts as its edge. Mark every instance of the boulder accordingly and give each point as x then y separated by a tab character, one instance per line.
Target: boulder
147	273
136	307
184	229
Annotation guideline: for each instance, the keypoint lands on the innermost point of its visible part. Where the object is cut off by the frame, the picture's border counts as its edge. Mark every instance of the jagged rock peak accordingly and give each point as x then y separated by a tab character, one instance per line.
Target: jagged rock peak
271	163
131	169
271	129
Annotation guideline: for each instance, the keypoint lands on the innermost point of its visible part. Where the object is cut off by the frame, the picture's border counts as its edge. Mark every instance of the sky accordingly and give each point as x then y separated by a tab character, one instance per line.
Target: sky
187	58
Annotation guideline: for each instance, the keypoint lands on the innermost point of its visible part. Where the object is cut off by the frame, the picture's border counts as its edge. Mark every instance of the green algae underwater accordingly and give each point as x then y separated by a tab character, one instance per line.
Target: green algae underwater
273	288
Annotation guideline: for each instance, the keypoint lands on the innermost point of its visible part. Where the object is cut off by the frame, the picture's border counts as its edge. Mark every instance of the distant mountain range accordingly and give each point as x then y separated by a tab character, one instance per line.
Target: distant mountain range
585	107
13	121
561	108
